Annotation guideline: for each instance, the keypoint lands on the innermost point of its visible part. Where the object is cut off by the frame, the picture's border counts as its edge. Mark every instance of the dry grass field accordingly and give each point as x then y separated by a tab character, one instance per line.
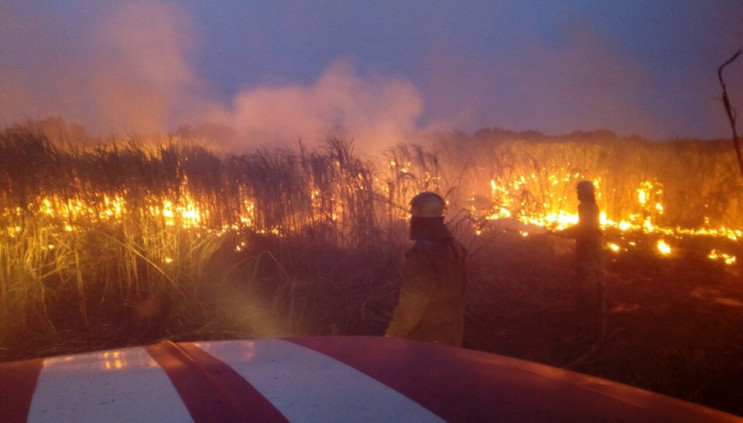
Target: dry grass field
126	243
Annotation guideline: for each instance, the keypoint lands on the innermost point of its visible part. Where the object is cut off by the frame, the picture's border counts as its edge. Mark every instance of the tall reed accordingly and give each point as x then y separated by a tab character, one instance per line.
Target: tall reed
123	235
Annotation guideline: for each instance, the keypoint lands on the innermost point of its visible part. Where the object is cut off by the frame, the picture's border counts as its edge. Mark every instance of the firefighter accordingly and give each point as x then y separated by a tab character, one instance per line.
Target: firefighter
431	301
589	280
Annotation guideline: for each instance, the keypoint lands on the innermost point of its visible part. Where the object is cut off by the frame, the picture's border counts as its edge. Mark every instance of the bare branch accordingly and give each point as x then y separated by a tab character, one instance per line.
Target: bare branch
730	110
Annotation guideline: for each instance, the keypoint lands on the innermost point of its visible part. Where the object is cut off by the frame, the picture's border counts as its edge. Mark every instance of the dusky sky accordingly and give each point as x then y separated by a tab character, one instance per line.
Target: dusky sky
278	69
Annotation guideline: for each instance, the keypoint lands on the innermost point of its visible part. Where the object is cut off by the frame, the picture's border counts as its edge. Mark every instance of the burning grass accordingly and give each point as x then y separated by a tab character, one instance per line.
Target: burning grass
129	242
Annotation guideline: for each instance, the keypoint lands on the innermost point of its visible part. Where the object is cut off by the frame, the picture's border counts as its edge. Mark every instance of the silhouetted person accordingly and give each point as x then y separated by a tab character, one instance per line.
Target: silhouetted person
431	301
589	272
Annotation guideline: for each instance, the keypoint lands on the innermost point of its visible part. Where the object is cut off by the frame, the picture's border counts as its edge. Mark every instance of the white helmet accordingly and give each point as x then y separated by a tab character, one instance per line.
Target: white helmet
427	204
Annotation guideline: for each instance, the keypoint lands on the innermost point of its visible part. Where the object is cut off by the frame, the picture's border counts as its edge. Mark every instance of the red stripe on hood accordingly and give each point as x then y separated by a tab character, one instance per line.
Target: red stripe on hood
211	390
17	385
462	385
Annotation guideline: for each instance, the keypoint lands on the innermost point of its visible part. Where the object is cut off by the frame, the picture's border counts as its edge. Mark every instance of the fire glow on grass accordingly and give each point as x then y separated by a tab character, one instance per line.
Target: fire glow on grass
551	215
505	200
184	213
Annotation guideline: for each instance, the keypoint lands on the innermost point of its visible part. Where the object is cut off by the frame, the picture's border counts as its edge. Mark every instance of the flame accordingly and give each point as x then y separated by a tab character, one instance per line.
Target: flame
664	248
720	256
545	201
506	198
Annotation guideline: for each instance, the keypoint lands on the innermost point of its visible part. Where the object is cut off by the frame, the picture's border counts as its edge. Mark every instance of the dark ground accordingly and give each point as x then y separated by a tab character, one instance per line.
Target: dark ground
674	324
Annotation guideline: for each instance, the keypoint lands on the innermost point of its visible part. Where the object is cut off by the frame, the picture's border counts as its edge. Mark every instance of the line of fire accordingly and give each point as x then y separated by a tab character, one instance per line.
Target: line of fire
128	241
130	218
665	194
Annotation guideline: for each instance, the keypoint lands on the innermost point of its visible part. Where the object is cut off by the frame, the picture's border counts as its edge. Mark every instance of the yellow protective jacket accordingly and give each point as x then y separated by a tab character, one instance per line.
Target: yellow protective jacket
431	301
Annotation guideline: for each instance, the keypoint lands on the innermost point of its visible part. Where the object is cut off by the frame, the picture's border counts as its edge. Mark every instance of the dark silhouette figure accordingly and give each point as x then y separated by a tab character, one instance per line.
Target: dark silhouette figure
589	273
431	301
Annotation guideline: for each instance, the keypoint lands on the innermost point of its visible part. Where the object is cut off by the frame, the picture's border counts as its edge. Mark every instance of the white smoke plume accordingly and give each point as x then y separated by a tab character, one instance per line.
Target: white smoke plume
137	67
131	72
376	111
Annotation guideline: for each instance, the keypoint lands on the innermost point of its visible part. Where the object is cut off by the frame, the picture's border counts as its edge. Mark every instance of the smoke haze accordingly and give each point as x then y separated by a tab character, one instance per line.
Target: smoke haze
128	72
376	107
374	73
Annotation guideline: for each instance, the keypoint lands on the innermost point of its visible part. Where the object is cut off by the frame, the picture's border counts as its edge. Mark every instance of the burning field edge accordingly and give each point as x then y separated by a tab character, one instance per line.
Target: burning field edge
129	242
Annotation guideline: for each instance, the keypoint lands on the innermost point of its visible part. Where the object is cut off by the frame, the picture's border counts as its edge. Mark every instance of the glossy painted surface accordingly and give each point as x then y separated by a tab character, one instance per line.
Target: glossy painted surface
310	386
107	387
319	379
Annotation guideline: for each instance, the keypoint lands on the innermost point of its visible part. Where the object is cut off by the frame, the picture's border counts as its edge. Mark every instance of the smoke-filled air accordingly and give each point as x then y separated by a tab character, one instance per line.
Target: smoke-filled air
236	170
